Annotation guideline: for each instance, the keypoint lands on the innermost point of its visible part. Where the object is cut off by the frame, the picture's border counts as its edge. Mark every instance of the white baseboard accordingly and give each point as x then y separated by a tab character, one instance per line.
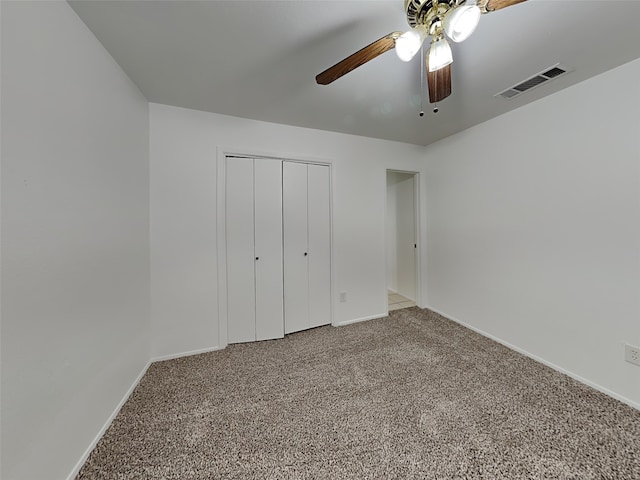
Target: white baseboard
357	320
580	379
107	424
126	396
185	354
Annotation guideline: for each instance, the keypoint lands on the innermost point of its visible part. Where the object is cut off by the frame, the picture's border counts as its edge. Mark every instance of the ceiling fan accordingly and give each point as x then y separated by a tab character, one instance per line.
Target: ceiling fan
455	19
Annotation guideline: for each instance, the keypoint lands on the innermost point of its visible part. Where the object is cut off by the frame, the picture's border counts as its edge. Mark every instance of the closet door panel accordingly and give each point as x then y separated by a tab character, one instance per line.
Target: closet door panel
240	250
319	226
296	283
268	249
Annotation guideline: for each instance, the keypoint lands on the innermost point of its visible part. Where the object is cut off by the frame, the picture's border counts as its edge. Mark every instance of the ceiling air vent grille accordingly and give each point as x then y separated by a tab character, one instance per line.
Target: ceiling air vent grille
529	84
533	81
554	72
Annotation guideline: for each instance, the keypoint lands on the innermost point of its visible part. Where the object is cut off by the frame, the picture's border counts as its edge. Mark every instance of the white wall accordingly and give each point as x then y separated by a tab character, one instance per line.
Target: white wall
183	216
401	264
534	228
75	278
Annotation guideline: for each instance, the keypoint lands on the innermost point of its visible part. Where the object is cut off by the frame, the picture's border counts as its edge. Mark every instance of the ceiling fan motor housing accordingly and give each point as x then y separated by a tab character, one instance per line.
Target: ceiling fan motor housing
420	12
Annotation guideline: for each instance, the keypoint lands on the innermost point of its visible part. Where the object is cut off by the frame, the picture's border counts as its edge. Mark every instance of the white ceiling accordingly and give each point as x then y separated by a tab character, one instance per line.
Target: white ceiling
259	59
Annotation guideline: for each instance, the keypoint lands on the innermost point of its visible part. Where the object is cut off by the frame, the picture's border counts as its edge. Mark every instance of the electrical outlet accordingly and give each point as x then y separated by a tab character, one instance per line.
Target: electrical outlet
632	354
343	296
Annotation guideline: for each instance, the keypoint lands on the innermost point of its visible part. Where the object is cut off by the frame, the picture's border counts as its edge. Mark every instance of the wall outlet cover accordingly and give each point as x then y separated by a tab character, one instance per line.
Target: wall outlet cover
632	354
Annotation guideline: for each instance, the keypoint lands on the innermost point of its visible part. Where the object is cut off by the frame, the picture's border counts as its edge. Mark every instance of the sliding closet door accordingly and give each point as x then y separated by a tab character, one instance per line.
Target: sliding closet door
319	228
268	249
296	280
240	248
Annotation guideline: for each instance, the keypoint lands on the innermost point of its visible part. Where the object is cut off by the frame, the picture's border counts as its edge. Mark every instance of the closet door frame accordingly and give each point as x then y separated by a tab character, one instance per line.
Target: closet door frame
221	235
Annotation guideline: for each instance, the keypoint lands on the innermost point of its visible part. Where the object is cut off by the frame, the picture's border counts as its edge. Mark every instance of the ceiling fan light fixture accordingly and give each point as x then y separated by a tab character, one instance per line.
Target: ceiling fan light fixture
439	55
460	22
408	44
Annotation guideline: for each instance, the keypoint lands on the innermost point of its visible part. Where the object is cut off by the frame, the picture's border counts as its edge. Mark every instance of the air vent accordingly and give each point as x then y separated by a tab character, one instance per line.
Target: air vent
533	81
554	72
529	84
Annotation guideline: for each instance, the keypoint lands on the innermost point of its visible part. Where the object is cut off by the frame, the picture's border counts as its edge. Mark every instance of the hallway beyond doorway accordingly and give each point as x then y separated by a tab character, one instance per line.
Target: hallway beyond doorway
397	301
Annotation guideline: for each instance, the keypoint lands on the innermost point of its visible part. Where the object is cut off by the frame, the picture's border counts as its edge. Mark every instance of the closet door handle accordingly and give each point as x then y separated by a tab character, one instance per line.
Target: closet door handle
257	258
305	254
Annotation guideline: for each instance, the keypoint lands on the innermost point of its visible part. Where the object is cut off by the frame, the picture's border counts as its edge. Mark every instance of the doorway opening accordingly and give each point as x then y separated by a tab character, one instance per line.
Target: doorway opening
402	239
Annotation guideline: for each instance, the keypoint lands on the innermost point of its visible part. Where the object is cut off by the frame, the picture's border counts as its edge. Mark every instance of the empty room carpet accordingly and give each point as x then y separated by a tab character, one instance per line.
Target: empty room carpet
409	396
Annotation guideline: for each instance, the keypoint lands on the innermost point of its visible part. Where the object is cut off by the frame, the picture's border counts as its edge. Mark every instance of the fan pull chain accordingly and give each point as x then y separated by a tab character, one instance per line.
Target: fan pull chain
422	69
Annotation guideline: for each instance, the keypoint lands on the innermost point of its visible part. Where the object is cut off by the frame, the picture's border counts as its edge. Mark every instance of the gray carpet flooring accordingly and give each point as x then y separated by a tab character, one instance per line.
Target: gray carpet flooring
411	396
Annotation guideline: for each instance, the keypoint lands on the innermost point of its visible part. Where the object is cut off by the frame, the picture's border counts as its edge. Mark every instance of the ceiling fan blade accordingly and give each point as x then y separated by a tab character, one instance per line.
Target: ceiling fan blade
439	83
487	6
359	58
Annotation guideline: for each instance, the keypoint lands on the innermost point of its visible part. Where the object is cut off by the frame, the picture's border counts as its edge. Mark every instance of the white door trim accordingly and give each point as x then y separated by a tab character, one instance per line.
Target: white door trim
417	230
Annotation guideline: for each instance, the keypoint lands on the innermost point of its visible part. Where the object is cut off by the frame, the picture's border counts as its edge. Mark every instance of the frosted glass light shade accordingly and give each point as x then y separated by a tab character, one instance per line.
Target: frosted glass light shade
439	54
408	44
460	22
